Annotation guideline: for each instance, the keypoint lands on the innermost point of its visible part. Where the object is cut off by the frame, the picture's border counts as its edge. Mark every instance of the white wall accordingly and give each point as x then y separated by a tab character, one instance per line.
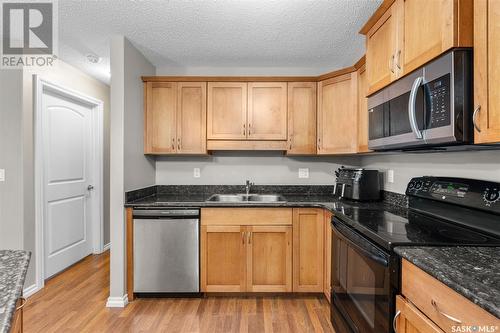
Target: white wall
130	168
483	165
233	168
11	190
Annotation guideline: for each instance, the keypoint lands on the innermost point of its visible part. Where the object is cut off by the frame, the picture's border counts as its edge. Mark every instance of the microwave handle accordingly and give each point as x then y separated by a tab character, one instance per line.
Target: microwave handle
411	107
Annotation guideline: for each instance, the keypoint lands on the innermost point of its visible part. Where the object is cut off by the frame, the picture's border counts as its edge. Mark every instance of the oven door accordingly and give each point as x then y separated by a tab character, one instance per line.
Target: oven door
361	286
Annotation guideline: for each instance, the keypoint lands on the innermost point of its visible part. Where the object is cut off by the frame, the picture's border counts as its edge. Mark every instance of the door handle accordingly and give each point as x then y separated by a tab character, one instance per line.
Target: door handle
411	107
90	187
434	304
474	118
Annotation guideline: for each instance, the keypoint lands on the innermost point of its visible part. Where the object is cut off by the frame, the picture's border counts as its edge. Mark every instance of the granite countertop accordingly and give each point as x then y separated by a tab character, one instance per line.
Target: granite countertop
474	272
13	268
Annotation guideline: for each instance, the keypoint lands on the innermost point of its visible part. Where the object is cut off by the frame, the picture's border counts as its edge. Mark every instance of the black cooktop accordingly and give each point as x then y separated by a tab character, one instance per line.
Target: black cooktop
389	229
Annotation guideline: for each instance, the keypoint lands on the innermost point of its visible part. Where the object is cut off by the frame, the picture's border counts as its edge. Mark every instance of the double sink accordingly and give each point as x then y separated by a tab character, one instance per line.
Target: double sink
247	198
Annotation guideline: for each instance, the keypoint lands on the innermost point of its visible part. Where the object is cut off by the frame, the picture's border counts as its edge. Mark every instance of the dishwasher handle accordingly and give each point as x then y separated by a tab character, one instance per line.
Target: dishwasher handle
166	213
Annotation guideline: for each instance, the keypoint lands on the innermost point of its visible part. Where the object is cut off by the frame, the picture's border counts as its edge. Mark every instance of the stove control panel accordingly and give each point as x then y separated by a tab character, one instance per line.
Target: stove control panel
471	193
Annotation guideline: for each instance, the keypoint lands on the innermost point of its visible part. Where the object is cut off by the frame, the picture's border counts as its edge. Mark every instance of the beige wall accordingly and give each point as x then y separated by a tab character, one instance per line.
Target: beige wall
72	78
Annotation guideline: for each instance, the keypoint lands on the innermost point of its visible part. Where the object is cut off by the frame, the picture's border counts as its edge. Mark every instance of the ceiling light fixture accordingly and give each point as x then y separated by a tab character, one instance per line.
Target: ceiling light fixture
93	59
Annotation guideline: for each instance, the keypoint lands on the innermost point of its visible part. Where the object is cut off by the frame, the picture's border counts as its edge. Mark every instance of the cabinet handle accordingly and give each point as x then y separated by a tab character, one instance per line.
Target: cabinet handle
249	129
391	64
173	143
249	241
23	303
291	139
394	320
242	238
434	304
244	132
179	143
474	118
398	65
319	144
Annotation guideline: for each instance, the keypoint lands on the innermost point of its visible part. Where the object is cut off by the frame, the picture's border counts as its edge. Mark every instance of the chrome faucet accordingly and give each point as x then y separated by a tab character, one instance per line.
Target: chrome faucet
248	186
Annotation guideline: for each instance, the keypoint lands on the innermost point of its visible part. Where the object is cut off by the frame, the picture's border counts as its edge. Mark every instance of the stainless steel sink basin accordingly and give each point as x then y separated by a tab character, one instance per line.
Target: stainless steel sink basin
250	198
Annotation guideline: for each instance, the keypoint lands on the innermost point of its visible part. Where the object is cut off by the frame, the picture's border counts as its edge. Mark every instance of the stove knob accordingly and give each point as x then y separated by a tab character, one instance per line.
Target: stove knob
411	185
418	185
491	195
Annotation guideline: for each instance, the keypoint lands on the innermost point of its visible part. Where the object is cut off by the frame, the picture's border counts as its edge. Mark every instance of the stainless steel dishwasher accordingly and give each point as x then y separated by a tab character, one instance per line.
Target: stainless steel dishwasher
166	250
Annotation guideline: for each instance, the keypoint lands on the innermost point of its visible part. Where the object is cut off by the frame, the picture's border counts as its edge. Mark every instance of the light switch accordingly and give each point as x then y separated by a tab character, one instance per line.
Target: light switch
2	175
303	172
196	173
390	176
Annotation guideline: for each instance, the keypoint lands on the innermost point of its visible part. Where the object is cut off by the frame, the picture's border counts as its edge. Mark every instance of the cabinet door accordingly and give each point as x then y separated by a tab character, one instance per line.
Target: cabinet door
487	71
160	118
411	320
431	27
301	118
223	259
362	112
192	117
269	259
227	111
381	42
328	255
308	251
267	111
337	115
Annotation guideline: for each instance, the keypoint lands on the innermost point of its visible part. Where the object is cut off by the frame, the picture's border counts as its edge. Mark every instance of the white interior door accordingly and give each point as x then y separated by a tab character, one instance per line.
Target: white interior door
67	142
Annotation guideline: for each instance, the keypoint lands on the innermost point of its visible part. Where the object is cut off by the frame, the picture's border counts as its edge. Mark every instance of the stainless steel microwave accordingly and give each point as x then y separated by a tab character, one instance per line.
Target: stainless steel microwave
431	106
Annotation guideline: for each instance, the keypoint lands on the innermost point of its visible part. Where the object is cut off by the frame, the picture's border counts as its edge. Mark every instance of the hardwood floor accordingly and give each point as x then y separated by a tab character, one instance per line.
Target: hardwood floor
74	301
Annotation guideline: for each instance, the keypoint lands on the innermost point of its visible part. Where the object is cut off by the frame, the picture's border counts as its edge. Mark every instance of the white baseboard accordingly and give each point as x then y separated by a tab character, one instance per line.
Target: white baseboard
117	302
106	247
28	291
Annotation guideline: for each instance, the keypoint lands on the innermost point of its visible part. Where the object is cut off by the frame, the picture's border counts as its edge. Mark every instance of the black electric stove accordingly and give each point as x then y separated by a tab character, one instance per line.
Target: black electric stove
365	270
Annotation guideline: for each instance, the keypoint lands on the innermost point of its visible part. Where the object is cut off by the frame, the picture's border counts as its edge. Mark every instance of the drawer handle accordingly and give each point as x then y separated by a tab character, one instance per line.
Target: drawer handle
23	303
394	320
434	304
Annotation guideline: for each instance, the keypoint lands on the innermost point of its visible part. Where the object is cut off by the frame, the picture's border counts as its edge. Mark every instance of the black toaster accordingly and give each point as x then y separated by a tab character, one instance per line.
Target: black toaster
357	184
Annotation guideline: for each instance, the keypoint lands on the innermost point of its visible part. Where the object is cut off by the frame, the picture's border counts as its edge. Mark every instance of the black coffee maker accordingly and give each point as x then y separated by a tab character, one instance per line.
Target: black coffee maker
357	184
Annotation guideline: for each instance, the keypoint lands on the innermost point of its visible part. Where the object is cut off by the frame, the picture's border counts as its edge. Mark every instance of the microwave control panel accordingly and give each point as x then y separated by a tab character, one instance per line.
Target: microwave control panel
438	102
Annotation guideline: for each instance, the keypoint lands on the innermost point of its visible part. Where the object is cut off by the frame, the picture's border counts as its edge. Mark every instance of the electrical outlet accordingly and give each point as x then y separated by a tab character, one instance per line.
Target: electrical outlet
303	172
196	173
390	176
2	175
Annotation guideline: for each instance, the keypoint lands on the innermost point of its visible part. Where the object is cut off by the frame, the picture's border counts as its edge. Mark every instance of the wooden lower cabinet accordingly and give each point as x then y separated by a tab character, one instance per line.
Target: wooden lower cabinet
410	320
308	251
327	284
246	258
269	259
223	263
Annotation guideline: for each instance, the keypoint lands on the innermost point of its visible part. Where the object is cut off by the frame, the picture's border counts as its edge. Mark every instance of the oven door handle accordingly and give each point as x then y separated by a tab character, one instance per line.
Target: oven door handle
411	107
350	237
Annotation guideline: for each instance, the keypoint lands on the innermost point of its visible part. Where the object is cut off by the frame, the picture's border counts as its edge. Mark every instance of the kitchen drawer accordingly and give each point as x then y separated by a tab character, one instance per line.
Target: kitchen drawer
246	216
439	302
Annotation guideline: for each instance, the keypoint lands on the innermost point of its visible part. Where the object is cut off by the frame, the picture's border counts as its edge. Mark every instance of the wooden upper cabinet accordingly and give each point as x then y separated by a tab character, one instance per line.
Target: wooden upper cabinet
227	111
308	250
175	118
411	320
269	259
160	117
403	35
301	118
362	111
191	117
381	44
267	111
432	27
223	258
486	71
337	115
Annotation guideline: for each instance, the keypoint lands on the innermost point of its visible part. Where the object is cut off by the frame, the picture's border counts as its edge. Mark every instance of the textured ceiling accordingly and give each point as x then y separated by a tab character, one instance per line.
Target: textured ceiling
218	36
